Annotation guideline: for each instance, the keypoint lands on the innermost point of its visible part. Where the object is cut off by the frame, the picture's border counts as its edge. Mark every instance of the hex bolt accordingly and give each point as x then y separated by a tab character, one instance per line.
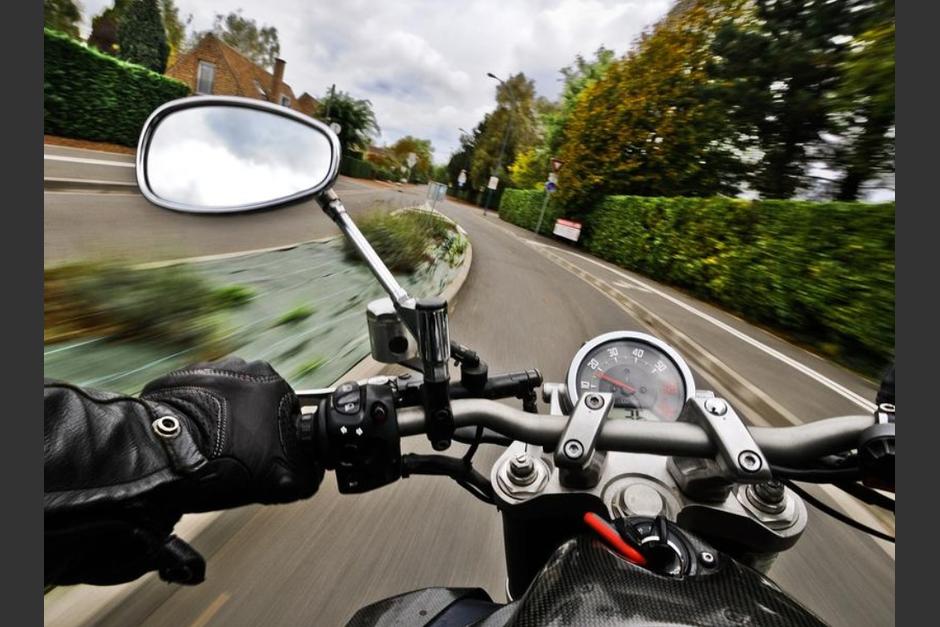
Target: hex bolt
750	461
522	470
707	559
573	449
594	401
716	407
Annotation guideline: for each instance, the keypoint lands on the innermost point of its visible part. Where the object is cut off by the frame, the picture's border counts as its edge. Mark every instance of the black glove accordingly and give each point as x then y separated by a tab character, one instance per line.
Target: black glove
120	471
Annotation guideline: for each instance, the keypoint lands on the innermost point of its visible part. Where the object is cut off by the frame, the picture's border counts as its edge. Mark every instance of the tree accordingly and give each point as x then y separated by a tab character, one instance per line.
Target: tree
62	15
258	43
355	117
650	125
104	28
141	36
779	66
864	106
463	158
422	150
174	27
509	130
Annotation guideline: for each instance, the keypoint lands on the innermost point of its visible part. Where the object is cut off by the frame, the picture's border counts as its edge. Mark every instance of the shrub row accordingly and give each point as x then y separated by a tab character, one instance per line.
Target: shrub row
90	95
821	271
523	206
356	168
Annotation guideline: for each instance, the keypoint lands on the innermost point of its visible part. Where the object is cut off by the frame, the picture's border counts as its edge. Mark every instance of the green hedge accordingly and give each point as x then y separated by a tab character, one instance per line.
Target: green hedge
522	208
357	168
821	271
90	95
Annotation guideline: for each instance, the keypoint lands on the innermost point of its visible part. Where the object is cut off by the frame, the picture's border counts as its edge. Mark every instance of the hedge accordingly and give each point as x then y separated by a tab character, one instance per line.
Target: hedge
357	168
91	95
822	271
523	206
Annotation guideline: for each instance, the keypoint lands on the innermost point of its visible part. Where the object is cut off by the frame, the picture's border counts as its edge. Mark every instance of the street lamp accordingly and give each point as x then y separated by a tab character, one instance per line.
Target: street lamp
502	147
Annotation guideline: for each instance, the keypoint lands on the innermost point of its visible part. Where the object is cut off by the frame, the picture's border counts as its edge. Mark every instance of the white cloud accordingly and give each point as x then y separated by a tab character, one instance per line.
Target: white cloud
423	63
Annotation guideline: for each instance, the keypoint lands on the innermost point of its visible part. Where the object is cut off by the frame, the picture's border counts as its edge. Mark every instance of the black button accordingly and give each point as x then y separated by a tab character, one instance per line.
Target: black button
346	398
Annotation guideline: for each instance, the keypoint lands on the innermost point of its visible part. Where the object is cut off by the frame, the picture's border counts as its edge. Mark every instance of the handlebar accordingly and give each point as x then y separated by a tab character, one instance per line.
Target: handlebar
780	445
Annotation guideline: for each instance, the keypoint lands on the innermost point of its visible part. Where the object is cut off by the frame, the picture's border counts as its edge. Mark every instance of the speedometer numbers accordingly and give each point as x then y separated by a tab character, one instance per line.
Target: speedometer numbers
646	381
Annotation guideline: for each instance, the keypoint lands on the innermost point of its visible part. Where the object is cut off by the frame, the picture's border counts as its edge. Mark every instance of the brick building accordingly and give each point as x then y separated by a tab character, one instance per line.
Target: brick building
214	67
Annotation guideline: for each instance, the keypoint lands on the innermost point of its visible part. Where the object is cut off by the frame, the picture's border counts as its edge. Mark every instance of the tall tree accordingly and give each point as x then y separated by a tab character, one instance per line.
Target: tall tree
355	117
779	65
864	106
62	15
650	124
422	150
462	158
258	43
104	28
141	36
511	129
175	28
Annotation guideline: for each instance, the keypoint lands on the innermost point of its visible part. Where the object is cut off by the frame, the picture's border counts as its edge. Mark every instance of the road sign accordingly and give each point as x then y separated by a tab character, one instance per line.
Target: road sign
462	178
336	127
550	186
568	229
556	164
553	178
494	183
412	159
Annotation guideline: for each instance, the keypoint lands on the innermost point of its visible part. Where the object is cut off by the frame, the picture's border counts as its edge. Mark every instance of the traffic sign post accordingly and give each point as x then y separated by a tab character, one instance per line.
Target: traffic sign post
550	186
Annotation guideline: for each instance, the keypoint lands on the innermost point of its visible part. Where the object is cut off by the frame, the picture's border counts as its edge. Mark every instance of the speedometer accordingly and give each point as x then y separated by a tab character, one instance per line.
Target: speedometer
648	379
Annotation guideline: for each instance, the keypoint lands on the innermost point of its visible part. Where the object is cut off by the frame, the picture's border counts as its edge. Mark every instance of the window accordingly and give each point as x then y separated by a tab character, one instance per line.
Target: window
285	101
204	78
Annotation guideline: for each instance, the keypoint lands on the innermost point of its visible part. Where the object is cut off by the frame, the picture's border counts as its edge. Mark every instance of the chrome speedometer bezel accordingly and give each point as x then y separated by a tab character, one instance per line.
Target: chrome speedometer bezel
684	371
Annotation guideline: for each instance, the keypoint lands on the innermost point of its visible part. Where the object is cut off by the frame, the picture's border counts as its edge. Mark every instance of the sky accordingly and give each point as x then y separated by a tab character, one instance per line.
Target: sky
423	63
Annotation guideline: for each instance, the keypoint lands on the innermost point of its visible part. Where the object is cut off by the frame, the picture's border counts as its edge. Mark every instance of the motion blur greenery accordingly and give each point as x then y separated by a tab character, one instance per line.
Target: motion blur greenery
170	305
298	313
404	240
822	272
90	95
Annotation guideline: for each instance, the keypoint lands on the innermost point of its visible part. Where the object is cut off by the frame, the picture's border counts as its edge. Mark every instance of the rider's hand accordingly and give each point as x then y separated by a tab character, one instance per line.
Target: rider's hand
241	418
120	471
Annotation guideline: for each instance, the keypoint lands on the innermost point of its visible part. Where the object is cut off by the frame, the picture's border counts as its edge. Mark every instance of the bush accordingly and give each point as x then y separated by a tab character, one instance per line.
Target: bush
403	240
90	95
823	272
522	208
357	168
170	305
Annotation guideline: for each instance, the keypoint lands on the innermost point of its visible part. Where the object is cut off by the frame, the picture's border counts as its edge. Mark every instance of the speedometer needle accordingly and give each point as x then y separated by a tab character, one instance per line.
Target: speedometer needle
617	382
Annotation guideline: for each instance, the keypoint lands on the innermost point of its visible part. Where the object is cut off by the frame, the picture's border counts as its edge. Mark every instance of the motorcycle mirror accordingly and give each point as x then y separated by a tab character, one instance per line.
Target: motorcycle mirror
215	154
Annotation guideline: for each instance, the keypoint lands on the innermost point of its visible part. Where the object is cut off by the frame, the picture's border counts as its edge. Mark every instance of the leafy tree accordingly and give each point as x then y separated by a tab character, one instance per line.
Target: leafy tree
104	28
422	150
62	15
141	35
355	116
779	65
463	158
650	125
530	169
174	27
509	130
258	43
864	106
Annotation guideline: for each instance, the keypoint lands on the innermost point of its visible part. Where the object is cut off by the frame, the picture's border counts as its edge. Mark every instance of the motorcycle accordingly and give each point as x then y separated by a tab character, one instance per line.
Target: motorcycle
636	499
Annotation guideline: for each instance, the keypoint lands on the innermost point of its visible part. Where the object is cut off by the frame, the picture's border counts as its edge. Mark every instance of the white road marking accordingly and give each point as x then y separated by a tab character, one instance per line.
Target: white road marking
118	164
816	376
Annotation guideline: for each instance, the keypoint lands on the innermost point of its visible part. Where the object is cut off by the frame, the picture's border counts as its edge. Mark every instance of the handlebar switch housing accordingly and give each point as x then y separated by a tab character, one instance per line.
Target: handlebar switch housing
358	436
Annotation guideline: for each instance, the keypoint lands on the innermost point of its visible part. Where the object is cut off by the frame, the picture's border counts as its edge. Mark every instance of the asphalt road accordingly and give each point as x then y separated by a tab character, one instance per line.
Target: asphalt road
317	562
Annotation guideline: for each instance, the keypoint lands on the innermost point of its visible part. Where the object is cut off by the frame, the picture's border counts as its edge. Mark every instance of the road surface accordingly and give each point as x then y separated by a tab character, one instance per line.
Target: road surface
317	562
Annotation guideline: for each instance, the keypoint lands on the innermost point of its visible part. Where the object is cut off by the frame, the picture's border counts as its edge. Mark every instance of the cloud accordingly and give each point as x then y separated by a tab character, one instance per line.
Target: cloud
423	63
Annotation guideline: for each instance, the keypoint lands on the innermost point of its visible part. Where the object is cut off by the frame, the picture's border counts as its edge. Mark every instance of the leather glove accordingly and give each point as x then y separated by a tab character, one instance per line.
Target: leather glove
120	471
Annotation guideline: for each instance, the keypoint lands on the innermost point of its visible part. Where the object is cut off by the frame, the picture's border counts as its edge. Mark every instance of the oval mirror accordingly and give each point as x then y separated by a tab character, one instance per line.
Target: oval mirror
218	155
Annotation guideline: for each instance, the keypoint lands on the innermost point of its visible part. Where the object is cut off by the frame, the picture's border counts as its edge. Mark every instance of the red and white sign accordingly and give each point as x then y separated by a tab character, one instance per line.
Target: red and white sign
568	229
556	164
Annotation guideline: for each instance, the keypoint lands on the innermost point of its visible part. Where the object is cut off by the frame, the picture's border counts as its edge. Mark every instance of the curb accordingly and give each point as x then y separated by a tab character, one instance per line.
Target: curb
85	605
86	185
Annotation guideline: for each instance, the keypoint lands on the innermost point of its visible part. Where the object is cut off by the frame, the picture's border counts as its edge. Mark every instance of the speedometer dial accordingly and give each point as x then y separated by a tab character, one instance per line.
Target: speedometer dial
647	378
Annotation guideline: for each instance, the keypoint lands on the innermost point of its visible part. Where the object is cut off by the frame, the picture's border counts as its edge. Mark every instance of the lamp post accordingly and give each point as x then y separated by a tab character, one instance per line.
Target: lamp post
502	147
